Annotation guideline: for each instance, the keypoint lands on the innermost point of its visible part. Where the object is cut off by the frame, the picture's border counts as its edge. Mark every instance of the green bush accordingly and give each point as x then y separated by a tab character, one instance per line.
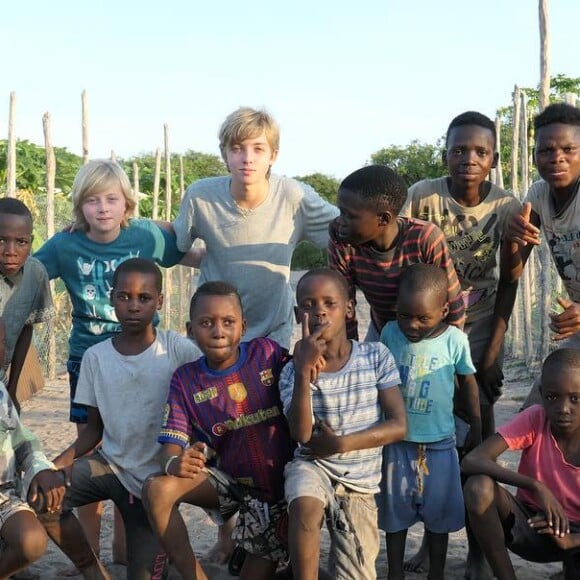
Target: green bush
307	256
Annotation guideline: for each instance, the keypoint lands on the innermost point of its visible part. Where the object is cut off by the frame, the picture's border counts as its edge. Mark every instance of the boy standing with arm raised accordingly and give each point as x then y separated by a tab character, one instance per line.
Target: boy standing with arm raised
335	393
552	206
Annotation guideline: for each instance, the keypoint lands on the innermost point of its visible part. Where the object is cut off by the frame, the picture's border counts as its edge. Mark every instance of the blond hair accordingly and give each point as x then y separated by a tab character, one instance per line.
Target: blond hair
95	177
247	123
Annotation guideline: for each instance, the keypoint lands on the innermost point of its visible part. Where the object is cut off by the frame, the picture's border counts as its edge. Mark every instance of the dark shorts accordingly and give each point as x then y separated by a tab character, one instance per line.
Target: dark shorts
524	541
262	528
78	413
93	480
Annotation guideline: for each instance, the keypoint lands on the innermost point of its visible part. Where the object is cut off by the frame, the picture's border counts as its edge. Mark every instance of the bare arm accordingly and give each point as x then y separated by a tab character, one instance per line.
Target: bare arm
308	353
468	400
522	235
483	460
20	350
87	440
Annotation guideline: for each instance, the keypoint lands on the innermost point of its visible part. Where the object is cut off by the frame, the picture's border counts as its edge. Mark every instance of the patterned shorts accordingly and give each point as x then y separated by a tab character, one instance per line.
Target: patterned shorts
262	528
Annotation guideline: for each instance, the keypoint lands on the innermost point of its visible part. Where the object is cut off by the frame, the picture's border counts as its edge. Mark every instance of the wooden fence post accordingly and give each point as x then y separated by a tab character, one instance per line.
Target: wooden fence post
85	126
50	179
11	152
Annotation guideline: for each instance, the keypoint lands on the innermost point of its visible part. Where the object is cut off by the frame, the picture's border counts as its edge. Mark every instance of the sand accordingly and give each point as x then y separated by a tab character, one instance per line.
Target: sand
47	415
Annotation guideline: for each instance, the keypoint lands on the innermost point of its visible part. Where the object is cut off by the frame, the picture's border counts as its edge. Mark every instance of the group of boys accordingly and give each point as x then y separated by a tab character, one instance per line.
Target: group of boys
339	399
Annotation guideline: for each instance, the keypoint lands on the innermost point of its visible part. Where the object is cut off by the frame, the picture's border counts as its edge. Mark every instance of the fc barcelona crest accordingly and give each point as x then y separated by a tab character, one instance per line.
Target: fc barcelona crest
267	377
237	392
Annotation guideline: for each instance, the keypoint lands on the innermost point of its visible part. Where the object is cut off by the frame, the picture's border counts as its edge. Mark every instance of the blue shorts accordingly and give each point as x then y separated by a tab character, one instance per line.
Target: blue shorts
421	482
78	413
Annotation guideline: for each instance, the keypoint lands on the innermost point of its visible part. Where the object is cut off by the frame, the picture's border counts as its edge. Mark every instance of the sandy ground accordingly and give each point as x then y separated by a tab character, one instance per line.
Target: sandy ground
47	416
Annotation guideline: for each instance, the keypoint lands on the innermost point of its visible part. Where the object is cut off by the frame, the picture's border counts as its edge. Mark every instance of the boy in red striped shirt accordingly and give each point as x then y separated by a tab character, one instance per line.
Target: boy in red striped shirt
371	246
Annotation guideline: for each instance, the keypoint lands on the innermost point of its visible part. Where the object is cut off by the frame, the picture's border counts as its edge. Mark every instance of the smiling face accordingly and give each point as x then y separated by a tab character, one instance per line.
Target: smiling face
326	302
561	399
136	298
217	326
104	211
469	155
249	162
420	314
15	242
557	155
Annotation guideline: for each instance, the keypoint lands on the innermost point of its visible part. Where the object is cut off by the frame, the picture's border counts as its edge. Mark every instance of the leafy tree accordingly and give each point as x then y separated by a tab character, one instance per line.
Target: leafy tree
414	161
196	166
325	185
560	86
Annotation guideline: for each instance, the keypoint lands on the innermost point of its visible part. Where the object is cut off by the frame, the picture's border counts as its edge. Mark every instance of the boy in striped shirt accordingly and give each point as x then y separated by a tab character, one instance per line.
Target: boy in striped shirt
370	245
336	393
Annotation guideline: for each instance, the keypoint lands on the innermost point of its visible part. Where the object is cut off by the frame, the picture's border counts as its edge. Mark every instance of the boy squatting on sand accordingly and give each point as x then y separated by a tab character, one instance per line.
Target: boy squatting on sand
227	402
336	394
124	383
542	522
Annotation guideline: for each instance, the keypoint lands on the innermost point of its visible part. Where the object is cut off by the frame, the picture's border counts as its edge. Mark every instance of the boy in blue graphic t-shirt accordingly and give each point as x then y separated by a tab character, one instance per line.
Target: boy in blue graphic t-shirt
421	474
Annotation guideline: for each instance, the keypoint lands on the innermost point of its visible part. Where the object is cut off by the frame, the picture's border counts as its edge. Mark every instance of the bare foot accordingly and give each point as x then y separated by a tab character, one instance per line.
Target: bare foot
477	568
419	562
222	551
224	547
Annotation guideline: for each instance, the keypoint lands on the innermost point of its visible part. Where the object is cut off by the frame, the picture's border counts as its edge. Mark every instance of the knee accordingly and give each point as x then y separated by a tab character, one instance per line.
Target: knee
32	544
306	514
478	493
158	489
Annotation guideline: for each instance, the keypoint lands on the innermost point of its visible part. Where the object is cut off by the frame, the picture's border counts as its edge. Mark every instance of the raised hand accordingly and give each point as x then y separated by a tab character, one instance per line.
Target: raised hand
521	230
567	323
309	351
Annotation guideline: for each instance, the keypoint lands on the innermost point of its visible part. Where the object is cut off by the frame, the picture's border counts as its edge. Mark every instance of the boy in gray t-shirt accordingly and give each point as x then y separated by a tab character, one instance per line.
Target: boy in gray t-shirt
251	222
124	381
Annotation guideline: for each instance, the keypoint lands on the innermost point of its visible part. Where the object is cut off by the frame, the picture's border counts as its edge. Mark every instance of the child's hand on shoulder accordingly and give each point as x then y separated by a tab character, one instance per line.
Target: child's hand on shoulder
190	463
324	441
309	351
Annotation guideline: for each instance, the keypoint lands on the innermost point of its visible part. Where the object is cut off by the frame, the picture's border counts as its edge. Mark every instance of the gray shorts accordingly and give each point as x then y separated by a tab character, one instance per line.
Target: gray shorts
351	519
261	528
422	482
524	541
479	334
11	503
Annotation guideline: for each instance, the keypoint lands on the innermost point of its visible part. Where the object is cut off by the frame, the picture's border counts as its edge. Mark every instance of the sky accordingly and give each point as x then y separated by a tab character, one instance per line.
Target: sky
343	79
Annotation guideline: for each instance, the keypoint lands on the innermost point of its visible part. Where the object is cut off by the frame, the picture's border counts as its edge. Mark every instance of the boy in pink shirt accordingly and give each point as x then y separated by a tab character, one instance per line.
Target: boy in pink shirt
542	522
